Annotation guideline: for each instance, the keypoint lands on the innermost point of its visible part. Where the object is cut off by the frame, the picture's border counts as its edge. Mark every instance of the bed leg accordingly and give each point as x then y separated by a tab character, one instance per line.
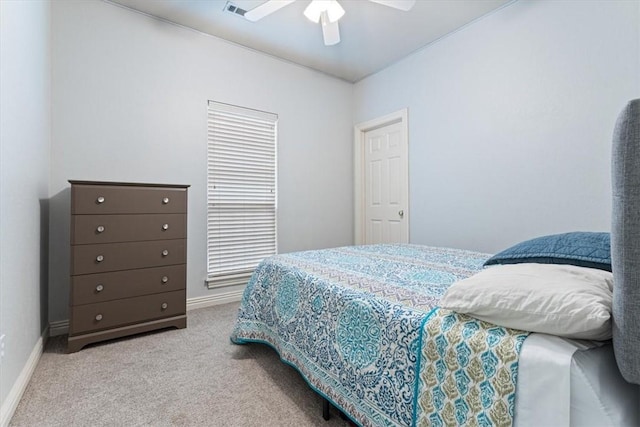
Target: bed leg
325	409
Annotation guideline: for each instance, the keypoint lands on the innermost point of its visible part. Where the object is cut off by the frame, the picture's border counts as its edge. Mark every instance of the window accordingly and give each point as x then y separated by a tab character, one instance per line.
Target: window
241	192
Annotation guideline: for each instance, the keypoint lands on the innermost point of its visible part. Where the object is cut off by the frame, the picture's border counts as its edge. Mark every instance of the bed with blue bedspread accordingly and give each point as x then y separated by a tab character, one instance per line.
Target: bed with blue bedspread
362	325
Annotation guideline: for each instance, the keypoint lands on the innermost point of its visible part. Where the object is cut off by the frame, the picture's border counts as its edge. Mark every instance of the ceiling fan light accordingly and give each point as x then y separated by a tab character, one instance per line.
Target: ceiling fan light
316	7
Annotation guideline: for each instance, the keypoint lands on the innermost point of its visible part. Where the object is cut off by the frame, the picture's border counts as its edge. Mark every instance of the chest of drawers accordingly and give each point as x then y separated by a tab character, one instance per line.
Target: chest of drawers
128	260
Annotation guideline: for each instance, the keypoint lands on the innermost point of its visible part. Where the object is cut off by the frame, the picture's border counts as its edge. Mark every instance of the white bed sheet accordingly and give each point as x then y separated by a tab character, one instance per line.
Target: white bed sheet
564	382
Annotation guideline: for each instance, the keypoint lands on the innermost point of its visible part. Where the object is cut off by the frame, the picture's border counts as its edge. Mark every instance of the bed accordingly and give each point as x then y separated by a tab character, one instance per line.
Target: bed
415	335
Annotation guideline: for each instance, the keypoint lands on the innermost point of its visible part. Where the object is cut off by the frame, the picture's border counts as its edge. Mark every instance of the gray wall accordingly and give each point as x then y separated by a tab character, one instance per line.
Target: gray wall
24	181
129	104
510	121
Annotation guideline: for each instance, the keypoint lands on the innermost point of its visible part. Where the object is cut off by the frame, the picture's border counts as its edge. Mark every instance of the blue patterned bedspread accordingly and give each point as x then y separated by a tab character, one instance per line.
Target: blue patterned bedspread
358	321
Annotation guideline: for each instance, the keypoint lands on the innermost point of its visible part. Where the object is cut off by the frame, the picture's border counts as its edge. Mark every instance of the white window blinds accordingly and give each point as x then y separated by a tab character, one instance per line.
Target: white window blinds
241	192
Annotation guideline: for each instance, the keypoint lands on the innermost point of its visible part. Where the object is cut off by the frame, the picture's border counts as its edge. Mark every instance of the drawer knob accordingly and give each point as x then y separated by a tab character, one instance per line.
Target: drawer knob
100	288
164	306
98	317
100	199
100	258
165	279
165	201
165	252
100	228
165	227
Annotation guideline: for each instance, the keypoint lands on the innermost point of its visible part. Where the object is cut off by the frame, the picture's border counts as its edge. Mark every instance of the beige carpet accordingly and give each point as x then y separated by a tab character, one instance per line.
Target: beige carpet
188	377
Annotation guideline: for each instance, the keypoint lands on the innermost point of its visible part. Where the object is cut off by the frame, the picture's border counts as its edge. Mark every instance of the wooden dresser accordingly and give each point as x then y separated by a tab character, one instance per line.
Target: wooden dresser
128	259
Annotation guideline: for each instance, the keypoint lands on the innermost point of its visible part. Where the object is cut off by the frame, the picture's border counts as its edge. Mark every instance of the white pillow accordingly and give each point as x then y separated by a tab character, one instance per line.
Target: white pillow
563	300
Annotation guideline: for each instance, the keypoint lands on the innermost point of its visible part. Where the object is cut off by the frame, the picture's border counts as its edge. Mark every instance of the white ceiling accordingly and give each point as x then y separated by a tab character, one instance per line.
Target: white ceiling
373	36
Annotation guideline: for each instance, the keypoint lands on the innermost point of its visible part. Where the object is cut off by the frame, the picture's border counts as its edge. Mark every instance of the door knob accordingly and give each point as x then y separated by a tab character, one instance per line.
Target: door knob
401	213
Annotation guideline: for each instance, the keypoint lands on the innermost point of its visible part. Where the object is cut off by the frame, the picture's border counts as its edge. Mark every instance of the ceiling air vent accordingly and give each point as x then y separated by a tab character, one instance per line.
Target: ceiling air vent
232	8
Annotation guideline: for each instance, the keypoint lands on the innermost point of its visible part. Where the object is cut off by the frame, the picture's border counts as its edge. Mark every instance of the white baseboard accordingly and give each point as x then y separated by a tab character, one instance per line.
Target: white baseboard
15	394
217	299
61	327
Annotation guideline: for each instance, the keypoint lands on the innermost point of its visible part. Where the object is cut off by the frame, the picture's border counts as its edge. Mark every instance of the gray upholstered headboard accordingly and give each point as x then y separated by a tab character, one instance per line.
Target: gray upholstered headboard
625	241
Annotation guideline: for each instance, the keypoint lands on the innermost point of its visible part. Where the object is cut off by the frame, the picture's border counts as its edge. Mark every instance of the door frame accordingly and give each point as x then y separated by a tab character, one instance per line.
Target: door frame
400	116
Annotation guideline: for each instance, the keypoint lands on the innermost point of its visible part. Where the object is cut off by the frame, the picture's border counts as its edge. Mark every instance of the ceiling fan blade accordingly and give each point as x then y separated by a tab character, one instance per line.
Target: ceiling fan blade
266	8
404	5
330	30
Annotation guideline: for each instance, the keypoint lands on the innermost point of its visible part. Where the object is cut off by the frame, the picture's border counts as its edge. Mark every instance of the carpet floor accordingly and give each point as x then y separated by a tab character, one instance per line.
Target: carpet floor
187	377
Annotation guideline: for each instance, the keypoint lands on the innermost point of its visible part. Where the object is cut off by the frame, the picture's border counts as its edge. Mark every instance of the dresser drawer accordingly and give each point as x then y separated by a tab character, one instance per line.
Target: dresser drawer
106	199
95	317
87	229
92	288
88	259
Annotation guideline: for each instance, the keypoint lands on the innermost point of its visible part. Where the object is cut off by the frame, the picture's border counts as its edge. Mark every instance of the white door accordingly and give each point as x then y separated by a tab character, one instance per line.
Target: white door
386	185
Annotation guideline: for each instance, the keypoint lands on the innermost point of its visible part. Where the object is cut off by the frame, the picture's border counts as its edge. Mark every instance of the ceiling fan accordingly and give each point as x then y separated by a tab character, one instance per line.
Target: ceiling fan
326	12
